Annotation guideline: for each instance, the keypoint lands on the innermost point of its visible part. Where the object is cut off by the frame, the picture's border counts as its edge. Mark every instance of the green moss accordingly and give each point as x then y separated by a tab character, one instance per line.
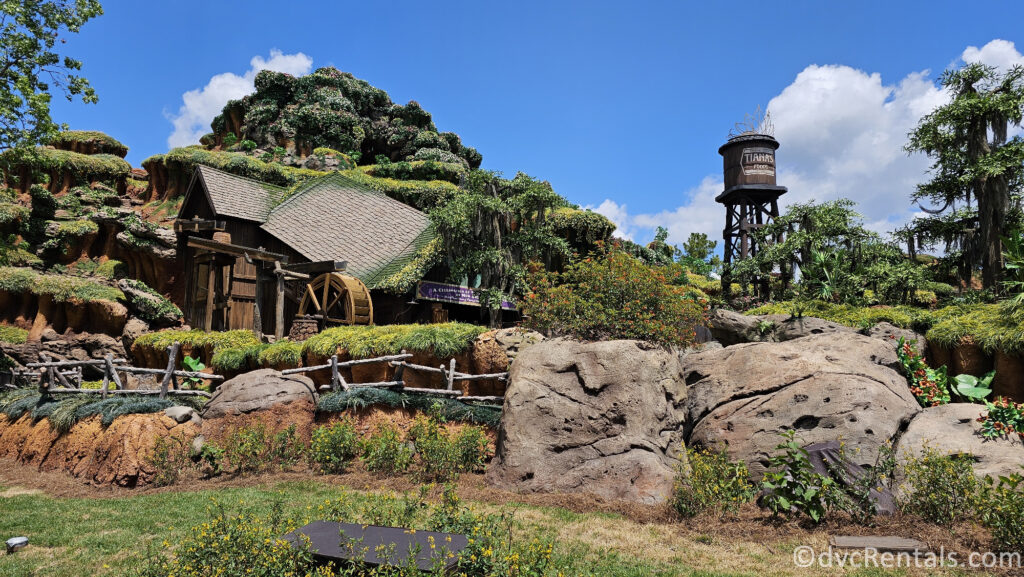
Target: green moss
237	359
105	167
420	194
11	213
107	143
12	335
60	288
442	340
151	309
405	279
985	325
185	159
198	339
426	170
111	269
281	353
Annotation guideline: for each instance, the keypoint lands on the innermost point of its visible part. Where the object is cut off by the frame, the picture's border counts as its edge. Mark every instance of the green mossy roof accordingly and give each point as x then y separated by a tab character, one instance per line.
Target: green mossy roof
107	143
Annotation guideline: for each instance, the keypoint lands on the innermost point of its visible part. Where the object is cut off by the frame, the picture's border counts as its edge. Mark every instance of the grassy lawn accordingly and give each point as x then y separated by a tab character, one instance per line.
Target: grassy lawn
104	536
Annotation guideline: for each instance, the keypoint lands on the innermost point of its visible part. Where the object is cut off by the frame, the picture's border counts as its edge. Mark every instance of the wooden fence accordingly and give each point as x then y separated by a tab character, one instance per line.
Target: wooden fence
53	376
401	364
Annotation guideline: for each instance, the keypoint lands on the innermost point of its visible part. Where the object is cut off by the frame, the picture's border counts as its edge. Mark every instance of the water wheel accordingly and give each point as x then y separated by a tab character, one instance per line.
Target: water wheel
334	299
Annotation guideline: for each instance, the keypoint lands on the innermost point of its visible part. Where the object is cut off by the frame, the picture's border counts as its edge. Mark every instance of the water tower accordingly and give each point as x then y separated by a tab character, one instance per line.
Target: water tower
751	195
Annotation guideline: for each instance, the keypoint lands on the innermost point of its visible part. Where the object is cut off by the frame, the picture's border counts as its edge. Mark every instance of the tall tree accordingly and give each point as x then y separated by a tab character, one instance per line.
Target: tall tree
31	66
973	158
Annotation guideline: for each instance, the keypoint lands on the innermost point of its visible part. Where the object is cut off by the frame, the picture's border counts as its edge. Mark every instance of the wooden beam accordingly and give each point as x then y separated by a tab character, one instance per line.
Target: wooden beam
236	250
210	290
199	224
319	267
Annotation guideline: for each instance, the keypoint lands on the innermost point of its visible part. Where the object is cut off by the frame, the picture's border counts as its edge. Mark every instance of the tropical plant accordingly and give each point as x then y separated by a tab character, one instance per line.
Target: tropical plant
193	364
928	385
1002	417
792	486
971	388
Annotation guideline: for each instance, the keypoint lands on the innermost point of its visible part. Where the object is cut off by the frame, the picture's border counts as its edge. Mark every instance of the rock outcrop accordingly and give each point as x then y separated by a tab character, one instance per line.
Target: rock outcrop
118	454
603	418
954	429
264	396
833	386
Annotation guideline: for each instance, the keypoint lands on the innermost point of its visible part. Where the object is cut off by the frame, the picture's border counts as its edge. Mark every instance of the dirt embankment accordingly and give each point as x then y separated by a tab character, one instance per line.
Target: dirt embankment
36	313
114	455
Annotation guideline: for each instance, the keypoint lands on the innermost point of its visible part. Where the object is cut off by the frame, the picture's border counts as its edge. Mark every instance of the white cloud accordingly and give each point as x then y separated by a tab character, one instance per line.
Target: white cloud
199	106
842	132
999	53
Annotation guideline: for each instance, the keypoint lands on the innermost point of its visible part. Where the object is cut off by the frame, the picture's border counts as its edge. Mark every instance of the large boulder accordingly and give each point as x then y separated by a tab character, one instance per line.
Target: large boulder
732	328
786	328
954	429
515	339
893	333
832	386
264	397
603	418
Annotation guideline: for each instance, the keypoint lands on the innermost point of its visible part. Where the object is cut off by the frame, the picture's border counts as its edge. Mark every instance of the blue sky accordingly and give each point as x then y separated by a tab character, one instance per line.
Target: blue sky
621	106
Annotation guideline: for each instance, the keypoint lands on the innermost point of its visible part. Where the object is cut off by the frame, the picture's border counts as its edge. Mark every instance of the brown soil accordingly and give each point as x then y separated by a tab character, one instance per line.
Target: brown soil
275	418
114	455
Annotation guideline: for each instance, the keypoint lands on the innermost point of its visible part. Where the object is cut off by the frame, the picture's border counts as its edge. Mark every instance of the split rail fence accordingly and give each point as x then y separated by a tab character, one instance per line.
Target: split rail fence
53	376
401	364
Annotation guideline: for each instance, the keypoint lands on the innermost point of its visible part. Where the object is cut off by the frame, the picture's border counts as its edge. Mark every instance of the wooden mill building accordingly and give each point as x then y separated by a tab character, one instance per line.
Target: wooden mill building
253	252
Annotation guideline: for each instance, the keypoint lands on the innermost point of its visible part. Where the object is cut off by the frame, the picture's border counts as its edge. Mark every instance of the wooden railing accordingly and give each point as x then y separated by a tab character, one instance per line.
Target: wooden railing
401	364
53	376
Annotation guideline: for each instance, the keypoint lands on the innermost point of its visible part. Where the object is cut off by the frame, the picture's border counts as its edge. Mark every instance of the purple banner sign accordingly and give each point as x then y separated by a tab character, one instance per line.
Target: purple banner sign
450	293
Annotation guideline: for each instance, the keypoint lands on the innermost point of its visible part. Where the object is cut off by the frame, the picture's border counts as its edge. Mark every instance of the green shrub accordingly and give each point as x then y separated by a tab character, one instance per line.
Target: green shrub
170	457
238	359
423	170
613	296
334	446
1001	510
443	455
792	486
929	386
385	451
198	339
711	482
252	449
940	488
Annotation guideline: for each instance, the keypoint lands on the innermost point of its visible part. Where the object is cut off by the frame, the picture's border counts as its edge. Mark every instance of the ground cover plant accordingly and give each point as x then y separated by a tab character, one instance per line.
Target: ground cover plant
60	288
449	410
711	481
63	411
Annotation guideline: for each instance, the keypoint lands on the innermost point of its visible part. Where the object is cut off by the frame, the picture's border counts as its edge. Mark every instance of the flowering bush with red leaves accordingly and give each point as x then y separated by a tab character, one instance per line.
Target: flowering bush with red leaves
612	295
929	386
1004	417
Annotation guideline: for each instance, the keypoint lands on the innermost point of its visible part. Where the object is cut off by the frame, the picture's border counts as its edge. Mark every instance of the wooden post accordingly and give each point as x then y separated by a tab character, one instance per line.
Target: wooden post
257	312
400	371
172	359
451	375
79	376
335	375
210	290
279	307
113	372
106	380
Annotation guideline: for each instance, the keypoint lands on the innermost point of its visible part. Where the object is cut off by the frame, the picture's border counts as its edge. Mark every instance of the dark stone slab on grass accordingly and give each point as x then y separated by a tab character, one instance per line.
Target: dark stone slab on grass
374	545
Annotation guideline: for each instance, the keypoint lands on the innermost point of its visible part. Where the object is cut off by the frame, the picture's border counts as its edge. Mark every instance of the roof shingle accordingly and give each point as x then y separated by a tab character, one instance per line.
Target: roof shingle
239	197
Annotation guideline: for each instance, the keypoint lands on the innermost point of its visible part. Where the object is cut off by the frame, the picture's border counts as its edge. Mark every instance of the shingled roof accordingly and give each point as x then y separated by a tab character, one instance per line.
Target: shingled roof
328	218
239	197
334	218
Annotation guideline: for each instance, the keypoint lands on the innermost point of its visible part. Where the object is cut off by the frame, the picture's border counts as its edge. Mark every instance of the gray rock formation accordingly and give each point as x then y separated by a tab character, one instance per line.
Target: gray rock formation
892	333
954	429
603	418
258	390
833	386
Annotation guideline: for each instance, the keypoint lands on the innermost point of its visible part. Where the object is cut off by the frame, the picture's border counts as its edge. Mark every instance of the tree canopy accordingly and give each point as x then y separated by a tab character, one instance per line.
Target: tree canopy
975	164
32	67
